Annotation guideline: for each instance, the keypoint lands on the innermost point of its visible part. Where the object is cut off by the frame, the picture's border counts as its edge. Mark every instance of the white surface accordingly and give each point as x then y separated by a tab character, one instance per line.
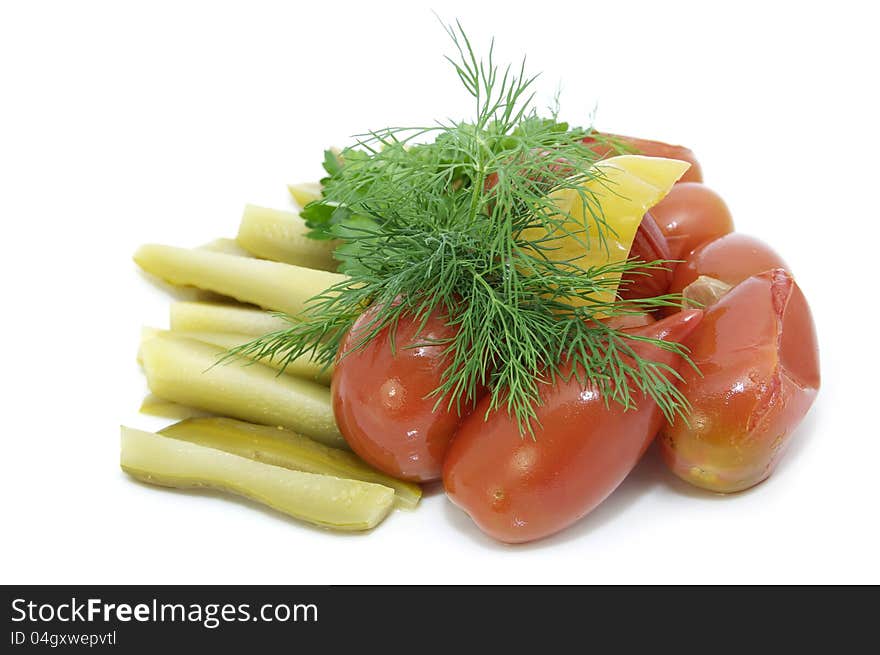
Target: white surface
123	123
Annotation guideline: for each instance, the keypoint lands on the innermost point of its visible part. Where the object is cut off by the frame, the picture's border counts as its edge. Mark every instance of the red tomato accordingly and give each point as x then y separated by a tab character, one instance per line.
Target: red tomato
732	258
518	489
380	397
651	149
648	245
690	215
756	349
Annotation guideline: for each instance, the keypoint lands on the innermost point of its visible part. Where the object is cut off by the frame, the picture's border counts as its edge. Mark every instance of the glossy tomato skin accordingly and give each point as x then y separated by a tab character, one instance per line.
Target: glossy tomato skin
519	489
379	398
650	149
731	259
649	245
757	352
690	215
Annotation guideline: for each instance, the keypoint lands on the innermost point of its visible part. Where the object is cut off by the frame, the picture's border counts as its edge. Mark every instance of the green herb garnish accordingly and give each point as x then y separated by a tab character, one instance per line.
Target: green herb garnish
431	219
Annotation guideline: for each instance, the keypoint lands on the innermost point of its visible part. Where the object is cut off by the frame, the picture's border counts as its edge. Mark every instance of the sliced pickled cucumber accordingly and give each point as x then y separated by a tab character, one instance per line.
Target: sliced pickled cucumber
186	371
147	333
155	406
223	317
286	448
281	237
303	367
271	285
320	499
228	246
305	192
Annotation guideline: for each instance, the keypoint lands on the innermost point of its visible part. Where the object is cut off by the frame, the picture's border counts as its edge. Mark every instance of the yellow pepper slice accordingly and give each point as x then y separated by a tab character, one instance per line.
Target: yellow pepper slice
625	187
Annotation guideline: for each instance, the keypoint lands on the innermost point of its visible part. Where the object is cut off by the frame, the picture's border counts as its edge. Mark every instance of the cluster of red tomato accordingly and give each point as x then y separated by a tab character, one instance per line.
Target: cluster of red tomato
754	346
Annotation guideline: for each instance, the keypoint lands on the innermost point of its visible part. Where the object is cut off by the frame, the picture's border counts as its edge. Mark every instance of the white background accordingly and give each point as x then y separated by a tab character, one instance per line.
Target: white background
123	123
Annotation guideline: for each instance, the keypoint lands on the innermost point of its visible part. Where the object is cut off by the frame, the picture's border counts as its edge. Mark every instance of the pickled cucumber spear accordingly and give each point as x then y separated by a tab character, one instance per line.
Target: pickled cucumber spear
272	285
223	317
185	371
155	406
286	448
320	499
303	367
281	237
228	246
305	192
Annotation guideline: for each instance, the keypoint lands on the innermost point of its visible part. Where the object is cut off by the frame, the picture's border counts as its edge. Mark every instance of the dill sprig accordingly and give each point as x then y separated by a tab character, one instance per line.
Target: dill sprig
432	219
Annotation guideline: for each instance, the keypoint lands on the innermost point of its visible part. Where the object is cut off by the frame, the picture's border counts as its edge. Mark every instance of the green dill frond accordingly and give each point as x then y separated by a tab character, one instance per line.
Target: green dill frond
433	219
